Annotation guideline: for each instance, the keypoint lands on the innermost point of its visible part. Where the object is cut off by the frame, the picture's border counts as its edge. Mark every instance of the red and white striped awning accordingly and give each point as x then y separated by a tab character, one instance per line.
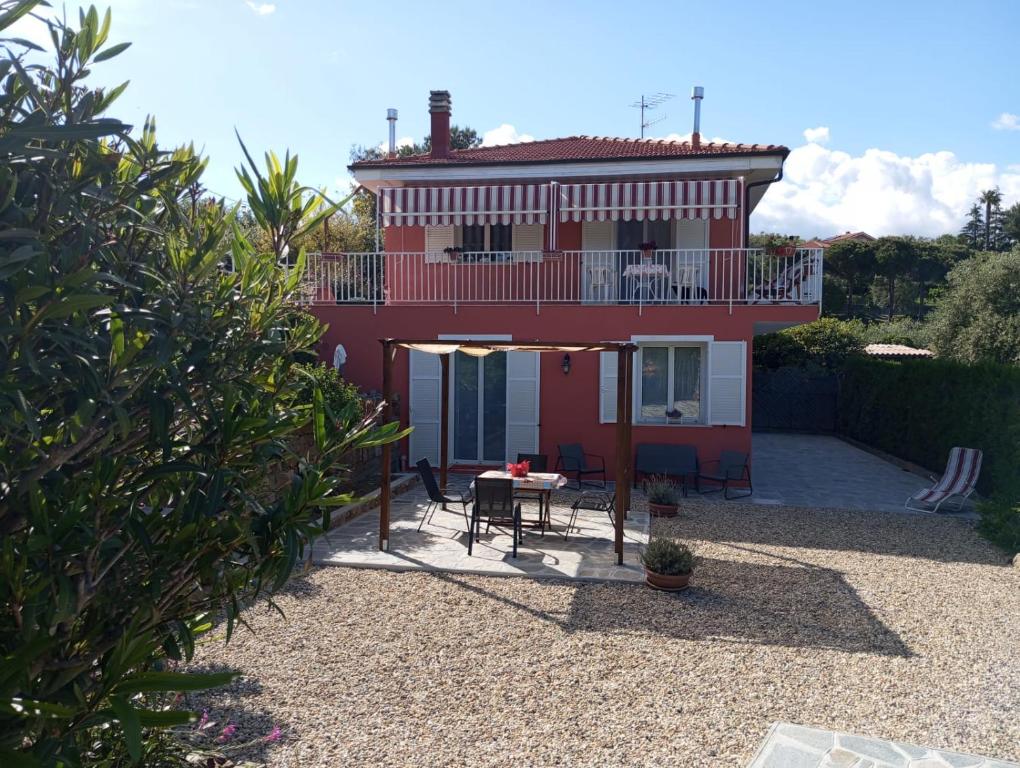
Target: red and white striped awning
640	200
503	204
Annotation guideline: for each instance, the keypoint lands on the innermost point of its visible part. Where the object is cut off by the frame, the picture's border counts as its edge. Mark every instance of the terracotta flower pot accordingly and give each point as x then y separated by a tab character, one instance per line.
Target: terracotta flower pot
663	510
667	583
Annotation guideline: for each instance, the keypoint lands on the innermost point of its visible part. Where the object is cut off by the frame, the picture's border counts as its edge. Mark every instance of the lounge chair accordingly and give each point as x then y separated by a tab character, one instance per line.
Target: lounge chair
494	501
437	498
574	461
667	459
962	470
730	467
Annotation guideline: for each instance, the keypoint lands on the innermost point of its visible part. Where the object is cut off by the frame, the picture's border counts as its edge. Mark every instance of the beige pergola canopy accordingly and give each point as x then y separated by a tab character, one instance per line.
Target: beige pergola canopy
480	348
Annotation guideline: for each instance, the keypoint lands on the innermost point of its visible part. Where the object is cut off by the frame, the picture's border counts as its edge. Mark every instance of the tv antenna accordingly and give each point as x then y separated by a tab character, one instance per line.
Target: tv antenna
648	103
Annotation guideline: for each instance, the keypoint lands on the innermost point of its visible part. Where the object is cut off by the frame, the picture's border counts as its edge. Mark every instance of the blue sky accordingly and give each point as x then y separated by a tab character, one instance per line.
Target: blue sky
899	99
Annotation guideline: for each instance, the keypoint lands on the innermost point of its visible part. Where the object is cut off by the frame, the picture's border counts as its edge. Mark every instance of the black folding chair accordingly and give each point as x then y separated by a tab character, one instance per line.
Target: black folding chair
574	461
731	466
436	497
494	502
538	462
594	501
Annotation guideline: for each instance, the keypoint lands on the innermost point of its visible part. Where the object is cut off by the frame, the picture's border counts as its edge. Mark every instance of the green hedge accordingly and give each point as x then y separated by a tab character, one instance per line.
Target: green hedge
918	410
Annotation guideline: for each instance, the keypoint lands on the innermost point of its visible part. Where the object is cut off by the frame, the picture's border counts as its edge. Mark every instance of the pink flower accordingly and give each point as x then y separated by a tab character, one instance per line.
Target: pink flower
275	734
203	720
227	733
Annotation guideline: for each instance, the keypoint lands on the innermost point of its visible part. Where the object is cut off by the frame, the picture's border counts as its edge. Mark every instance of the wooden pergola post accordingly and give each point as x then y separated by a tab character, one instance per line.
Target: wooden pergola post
622	455
628	433
387	448
444	422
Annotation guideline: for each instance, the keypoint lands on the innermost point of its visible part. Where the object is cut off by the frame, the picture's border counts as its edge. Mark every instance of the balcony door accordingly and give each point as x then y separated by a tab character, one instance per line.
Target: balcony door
479	408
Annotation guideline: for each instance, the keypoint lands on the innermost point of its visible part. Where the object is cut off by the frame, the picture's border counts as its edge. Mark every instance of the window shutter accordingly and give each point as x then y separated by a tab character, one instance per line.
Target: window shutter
527	241
521	403
436	239
727	382
607	387
424	407
597	236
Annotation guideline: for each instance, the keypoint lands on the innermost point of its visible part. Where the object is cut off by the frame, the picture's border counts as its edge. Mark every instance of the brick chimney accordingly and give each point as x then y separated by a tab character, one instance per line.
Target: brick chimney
439	109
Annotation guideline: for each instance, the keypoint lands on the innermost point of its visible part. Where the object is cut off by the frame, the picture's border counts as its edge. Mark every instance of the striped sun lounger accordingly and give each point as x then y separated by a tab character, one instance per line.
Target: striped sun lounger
957	483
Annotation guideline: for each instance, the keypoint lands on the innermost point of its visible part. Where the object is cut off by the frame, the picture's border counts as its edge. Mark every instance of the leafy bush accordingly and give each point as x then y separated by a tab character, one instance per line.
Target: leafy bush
144	390
827	342
661	490
902	330
343	400
668	557
778	350
1000	522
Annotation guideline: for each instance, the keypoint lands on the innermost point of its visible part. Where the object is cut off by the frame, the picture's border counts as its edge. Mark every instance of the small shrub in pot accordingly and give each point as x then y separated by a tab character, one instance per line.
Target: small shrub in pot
663	496
668	563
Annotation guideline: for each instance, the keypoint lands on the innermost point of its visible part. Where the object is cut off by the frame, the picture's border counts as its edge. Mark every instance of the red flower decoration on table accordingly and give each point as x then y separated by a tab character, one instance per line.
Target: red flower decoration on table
519	470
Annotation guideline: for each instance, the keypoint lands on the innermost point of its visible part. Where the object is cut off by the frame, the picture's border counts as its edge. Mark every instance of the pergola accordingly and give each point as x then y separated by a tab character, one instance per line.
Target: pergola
624	371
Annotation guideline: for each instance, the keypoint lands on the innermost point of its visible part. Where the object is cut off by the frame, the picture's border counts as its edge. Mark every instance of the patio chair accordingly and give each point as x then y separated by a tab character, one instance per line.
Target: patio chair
958	482
667	459
595	501
574	461
437	498
538	462
494	501
730	467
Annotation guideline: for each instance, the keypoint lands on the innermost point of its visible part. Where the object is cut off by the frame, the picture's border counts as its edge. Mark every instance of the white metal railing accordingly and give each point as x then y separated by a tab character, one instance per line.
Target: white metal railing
661	277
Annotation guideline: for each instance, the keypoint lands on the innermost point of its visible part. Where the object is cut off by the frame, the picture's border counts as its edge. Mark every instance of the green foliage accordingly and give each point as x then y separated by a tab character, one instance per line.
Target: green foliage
901	330
977	317
854	262
342	399
144	393
668	557
919	409
1000	522
771	240
662	490
827	342
460	138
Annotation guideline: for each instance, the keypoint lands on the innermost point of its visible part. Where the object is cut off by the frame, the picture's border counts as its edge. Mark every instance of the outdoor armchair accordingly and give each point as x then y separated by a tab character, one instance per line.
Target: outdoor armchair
494	502
437	498
595	501
574	461
958	482
730	467
538	462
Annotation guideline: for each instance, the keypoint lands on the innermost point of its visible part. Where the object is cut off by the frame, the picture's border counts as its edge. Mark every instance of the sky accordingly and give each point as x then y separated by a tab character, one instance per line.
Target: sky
897	113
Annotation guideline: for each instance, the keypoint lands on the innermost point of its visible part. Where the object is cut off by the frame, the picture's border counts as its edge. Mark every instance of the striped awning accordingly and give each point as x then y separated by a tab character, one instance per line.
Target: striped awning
502	204
640	200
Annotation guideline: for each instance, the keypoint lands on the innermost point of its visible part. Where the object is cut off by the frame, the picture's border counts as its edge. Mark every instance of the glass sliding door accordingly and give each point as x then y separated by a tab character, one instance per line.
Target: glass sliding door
479	408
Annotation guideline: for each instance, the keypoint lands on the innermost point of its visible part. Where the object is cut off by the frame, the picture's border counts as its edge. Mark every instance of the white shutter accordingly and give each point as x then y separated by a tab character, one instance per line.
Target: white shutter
727	382
436	239
527	241
522	369
424	411
597	236
599	278
607	387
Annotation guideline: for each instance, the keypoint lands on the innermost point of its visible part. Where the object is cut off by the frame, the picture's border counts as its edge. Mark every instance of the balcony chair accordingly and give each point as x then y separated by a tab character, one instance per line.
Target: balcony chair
731	466
594	501
600	285
958	482
437	498
574	461
494	501
538	462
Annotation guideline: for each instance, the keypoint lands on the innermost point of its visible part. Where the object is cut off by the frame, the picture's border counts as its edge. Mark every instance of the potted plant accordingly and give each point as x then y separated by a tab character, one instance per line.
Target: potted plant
663	496
788	248
668	564
646	250
453	252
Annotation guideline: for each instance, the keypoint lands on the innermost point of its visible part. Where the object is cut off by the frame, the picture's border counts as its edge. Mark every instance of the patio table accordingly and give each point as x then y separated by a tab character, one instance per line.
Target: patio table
543	482
646	277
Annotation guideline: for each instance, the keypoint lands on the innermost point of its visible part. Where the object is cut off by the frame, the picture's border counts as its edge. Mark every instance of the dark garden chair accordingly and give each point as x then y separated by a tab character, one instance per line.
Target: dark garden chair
666	459
573	461
437	498
730	467
594	501
538	462
494	502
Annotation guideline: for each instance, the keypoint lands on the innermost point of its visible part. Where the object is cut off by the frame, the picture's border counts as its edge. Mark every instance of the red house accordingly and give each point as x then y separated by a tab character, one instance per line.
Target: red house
581	238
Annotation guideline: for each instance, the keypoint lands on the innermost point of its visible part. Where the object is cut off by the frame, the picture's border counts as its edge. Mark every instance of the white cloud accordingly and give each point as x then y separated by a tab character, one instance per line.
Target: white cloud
32	28
687	137
260	9
819	135
404	141
505	134
1007	121
825	191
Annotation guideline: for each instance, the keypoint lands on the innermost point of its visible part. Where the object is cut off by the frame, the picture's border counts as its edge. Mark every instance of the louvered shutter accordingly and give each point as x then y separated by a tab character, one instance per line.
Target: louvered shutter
424	412
607	387
436	239
522	369
727	382
527	241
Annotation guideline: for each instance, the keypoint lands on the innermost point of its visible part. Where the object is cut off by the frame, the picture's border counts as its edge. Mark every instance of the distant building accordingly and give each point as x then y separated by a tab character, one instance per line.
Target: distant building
862	237
896	351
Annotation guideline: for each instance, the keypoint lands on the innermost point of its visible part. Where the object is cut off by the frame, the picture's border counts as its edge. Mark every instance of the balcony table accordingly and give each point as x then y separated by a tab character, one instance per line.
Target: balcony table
543	482
645	277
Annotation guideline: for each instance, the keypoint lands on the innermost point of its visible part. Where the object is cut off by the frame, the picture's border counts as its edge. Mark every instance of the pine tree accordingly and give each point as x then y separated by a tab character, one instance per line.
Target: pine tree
973	231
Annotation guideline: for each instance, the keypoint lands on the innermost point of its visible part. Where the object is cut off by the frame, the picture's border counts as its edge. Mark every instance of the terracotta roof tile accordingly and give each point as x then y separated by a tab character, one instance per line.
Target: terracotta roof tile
896	350
578	149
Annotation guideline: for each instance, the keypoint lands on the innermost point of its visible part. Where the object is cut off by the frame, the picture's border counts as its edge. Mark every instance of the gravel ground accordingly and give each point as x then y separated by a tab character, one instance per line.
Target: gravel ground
894	626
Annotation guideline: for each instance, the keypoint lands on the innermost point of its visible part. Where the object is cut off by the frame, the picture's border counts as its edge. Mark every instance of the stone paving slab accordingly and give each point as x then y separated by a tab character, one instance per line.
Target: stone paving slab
441	545
796	746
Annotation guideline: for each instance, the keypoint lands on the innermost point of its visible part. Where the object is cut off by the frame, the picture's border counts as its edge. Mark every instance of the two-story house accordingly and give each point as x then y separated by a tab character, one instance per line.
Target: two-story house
580	238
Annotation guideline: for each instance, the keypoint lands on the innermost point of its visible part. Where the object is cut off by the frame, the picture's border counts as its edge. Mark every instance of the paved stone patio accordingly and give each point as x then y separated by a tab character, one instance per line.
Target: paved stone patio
441	545
825	472
794	746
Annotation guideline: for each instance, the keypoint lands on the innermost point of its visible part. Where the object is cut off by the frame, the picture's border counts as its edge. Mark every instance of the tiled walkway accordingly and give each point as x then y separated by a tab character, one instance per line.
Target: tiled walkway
442	544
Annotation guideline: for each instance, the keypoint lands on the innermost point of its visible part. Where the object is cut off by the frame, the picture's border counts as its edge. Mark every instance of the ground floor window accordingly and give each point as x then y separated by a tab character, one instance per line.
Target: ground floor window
672	380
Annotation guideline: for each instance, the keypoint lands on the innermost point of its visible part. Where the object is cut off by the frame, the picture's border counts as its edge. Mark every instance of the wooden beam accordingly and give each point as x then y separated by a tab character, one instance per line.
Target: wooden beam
444	421
628	433
622	457
387	449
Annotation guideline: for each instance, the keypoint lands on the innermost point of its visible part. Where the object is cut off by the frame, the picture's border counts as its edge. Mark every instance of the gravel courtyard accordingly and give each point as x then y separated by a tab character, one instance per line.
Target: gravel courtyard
894	626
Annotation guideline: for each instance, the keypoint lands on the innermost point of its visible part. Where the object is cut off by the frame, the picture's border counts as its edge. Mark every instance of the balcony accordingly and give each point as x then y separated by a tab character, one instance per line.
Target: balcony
704	277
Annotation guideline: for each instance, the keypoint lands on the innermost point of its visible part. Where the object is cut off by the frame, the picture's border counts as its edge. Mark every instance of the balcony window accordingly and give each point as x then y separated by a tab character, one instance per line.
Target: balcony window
480	239
671	384
630	234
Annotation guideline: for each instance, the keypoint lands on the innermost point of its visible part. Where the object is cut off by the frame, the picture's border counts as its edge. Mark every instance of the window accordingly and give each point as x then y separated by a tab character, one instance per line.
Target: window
671	384
478	239
630	234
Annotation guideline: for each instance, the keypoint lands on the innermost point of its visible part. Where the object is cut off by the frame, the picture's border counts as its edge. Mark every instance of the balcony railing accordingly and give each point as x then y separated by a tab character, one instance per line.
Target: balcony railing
710	276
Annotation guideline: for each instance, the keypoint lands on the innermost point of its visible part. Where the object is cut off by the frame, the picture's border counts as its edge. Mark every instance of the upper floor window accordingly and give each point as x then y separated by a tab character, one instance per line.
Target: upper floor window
630	234
496	239
671	384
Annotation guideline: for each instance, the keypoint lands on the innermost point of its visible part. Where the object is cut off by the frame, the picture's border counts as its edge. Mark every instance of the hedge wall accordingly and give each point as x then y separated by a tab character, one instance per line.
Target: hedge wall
918	410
